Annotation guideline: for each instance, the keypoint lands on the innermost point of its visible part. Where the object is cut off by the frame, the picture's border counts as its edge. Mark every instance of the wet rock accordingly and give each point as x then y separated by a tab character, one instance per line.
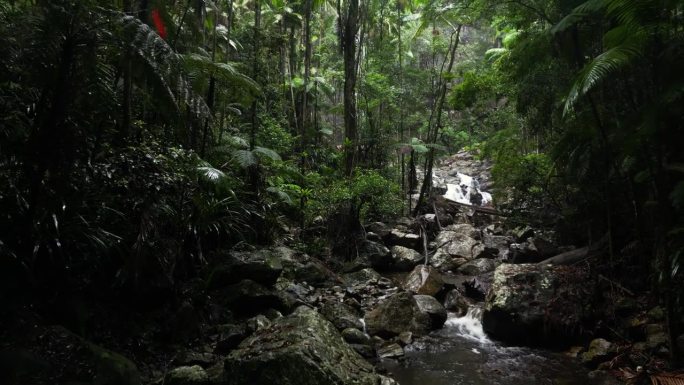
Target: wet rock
377	255
188	358
387	381
405	338
230	336
424	280
599	350
364	350
477	267
249	297
456	302
263	266
187	375
478	287
532	304
656	335
341	315
396	314
300	349
355	336
434	309
399	238
390	351
404	259
364	276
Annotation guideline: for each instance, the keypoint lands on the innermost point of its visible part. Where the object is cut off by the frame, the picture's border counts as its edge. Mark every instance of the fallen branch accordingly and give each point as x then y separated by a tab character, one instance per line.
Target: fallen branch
578	255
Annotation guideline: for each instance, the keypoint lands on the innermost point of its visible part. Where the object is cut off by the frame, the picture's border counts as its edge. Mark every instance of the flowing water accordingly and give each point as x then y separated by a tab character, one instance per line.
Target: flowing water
461	354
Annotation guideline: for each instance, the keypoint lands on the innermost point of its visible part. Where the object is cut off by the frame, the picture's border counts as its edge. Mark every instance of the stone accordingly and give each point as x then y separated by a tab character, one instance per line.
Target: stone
187	375
257	323
302	348
378	228
477	267
521	234
465	229
456	244
263	266
361	277
365	351
434	309
478	286
230	336
377	255
189	358
396	314
248	297
657	313
424	280
342	315
599	350
355	336
405	338
656	335
399	238
387	381
444	261
405	259
532	304
392	350
456	302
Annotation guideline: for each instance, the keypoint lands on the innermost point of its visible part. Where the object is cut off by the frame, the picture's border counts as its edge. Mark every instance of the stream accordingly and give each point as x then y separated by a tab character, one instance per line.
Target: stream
461	354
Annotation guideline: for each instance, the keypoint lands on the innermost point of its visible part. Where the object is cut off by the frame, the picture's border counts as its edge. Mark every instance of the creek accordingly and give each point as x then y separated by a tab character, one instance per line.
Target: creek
461	354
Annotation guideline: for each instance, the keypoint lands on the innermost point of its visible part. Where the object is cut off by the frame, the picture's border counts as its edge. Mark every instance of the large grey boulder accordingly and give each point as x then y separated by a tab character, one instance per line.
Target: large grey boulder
424	280
397	237
477	266
263	266
455	248
428	304
341	315
300	349
396	314
532	304
248	298
405	259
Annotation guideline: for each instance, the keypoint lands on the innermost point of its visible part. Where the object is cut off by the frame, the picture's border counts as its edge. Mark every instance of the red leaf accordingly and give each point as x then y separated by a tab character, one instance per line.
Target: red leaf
159	23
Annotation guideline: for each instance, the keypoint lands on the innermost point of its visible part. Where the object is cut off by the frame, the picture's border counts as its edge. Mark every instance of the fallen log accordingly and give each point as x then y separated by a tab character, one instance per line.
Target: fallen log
577	255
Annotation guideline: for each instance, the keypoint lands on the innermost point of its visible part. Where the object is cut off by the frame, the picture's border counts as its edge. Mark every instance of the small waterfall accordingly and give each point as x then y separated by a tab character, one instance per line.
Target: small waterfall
469	326
363	322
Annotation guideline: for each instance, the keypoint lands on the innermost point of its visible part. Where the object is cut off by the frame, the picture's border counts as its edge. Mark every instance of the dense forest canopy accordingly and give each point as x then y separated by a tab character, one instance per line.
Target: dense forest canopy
138	138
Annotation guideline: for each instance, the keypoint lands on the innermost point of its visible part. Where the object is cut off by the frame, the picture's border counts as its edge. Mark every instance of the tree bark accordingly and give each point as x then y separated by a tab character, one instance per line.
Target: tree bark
350	72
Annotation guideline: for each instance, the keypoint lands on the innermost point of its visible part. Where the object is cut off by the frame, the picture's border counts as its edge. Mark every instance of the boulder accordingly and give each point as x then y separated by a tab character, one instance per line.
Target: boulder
444	261
300	349
465	229
428	304
355	336
263	266
534	250
477	267
397	313
187	375
392	350
377	255
599	351
365	276
378	228
456	302
405	259
190	358
399	238
534	304
230	336
656	335
424	280
478	286
341	315
248	297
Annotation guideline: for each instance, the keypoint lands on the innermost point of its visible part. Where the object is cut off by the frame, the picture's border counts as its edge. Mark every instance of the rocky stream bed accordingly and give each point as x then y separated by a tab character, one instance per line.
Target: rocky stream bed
446	298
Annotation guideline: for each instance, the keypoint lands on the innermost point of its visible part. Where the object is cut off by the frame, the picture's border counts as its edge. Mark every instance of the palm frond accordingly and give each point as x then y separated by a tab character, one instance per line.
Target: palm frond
266	152
245	158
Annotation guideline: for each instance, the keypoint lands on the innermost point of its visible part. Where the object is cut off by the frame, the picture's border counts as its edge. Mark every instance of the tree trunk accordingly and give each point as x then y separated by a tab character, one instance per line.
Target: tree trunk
349	55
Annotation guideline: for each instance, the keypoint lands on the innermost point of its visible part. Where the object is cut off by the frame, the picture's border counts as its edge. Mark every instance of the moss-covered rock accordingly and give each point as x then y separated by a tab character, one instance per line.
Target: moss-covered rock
398	313
187	375
303	349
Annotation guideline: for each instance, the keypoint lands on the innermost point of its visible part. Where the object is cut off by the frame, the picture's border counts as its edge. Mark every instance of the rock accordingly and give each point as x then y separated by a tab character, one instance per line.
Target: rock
355	336
499	243
300	349
405	338
230	336
204	360
377	255
445	261
366	351
263	266
599	350
361	277
477	267
187	375
341	315
405	259
534	250
534	304
396	314
434	309
478	287
424	280
465	229
521	234
387	381
656	335
399	238
657	313
378	228
257	323
456	302
392	350
249	297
